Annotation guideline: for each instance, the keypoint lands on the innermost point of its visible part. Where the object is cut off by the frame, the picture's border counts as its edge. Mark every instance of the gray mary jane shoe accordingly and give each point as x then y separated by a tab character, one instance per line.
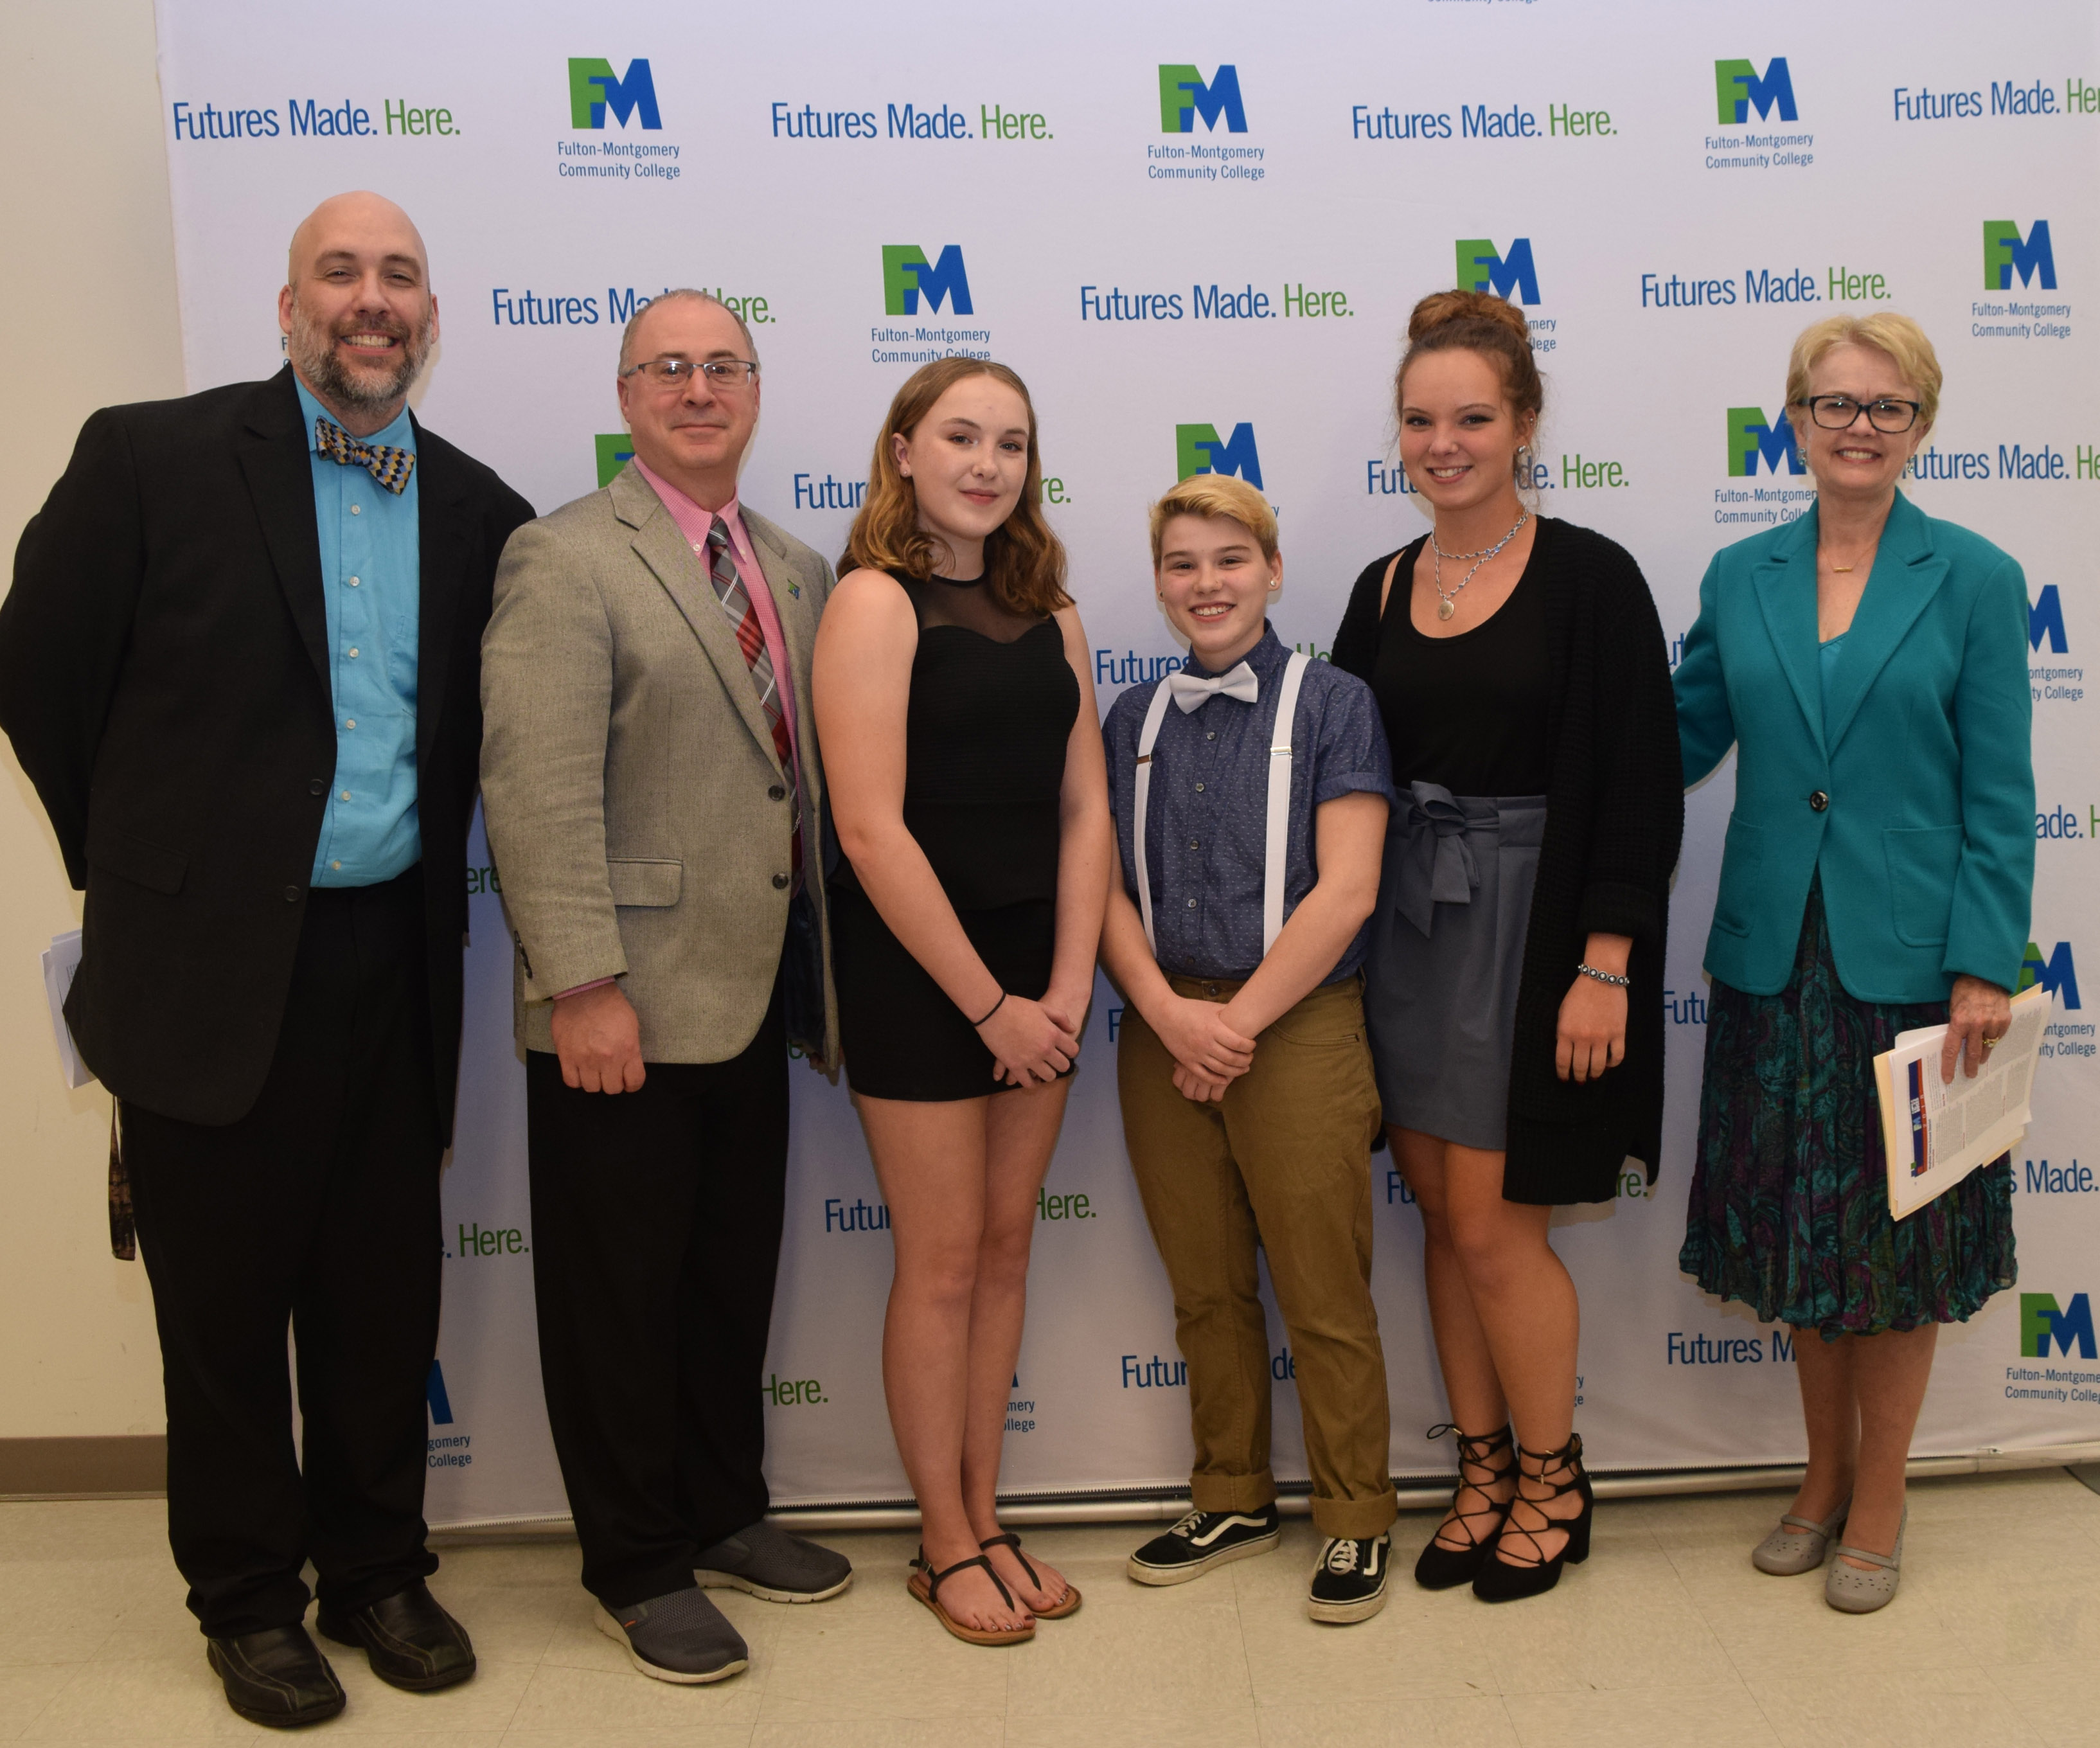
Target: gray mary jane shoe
1798	1544
1852	1592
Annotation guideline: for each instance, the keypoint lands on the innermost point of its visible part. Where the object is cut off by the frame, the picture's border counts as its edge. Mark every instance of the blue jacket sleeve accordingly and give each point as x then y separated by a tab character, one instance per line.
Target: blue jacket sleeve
1706	726
1994	707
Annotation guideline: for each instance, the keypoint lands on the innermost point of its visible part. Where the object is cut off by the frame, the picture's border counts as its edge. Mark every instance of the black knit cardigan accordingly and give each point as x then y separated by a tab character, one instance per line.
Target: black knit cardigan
1614	819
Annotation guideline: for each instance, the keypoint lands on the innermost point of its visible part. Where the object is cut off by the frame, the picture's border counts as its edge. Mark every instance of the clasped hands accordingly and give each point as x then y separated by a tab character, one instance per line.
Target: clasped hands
1034	1042
1208	1053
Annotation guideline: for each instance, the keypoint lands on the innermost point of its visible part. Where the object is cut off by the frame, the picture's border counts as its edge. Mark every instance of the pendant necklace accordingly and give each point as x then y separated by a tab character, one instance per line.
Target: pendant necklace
1448	604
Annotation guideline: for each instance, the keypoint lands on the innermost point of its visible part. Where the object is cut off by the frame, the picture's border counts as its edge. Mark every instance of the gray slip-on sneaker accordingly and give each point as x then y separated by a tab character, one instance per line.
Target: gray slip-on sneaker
771	1564
681	1637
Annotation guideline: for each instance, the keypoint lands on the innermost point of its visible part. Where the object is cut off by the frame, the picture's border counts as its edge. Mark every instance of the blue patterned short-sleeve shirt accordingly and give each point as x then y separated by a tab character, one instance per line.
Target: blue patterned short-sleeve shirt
1206	816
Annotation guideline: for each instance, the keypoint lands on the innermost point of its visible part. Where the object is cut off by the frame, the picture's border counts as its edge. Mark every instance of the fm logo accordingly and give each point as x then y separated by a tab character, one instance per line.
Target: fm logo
1737	90
1751	436
441	1405
2005	253
594	88
1183	96
615	449
1198	449
2056	973
2046	619
907	277
2042	1321
1480	268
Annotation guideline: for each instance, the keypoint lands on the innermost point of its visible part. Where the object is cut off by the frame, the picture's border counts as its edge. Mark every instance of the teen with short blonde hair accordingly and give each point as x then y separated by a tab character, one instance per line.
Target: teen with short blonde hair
1250	793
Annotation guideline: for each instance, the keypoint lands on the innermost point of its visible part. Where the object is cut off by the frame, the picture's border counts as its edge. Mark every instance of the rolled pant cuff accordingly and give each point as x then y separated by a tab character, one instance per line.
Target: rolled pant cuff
1359	1519
1233	1493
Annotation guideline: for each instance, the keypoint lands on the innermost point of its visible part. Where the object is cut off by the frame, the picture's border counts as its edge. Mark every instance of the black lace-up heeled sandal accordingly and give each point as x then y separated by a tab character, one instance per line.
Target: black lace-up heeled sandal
1519	1566
1441	1568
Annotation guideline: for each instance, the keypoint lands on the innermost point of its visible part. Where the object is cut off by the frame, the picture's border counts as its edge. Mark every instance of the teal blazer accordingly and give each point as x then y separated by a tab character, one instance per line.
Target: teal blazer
1914	799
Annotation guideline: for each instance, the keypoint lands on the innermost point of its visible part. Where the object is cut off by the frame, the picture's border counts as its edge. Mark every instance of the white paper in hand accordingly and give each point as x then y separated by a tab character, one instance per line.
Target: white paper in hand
61	959
1937	1133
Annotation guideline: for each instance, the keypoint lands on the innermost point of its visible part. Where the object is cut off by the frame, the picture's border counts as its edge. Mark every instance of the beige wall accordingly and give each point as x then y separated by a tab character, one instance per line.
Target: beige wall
88	280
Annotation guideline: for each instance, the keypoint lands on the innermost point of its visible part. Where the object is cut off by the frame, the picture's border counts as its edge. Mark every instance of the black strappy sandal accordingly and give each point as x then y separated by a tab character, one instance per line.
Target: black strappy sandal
925	1583
1531	1573
1069	1606
1441	1568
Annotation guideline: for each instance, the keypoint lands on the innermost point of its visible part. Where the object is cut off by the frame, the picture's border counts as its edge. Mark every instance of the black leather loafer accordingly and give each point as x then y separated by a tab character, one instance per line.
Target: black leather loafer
407	1639
277	1677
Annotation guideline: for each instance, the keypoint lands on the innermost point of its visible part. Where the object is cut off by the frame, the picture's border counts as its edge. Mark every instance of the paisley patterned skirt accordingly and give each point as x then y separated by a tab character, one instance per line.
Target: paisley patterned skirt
1789	1209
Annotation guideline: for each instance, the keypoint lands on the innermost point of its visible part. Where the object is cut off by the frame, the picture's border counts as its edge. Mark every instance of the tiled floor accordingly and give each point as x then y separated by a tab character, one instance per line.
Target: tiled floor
1667	1636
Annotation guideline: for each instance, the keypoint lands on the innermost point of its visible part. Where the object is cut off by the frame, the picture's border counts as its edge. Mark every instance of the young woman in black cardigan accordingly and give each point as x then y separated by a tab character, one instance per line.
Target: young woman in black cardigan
1514	989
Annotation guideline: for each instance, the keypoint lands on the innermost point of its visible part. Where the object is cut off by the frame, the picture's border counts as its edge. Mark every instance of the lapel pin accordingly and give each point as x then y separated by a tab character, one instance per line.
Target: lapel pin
796	591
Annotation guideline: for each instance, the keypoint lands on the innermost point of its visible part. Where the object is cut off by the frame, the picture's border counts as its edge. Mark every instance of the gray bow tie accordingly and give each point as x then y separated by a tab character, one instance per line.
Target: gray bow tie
1192	694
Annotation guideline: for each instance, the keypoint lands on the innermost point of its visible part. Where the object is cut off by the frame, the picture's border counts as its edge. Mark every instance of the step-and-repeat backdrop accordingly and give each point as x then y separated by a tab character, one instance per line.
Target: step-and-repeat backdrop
1197	233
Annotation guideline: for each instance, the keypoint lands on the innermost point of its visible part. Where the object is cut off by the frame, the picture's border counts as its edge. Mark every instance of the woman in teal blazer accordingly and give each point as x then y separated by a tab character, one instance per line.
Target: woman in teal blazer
1869	665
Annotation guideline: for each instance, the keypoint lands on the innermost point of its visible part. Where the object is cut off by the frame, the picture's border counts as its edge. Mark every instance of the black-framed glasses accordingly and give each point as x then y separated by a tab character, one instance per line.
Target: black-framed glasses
676	372
1838	413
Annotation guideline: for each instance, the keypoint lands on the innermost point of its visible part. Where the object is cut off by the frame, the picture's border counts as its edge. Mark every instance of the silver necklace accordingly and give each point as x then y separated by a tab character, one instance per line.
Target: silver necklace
1448	604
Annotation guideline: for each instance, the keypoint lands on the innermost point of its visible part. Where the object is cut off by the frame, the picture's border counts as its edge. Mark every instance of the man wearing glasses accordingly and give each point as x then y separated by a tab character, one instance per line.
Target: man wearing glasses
654	806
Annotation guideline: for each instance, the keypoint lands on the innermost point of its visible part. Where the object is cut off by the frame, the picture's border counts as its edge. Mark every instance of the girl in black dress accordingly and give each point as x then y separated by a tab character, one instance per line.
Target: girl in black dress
963	756
1520	670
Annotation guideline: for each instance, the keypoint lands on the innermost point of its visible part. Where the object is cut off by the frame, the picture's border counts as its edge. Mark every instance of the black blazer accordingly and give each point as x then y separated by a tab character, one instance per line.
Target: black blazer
1614	818
163	679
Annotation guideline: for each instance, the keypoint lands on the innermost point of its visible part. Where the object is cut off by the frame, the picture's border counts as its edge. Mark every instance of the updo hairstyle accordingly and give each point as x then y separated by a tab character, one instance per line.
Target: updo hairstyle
1476	321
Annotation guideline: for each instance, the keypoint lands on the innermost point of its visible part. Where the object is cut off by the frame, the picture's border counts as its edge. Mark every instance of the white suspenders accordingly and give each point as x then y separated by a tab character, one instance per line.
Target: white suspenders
1277	844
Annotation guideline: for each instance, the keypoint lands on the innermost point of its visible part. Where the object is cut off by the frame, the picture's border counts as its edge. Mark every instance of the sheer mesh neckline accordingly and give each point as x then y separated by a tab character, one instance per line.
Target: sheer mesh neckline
965	603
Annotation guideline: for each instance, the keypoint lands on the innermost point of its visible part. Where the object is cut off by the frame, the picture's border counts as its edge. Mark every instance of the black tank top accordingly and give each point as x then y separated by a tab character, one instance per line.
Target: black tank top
993	702
1474	712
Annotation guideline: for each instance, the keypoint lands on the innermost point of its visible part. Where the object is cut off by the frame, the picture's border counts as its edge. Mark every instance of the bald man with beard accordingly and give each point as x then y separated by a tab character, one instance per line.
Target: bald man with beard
241	663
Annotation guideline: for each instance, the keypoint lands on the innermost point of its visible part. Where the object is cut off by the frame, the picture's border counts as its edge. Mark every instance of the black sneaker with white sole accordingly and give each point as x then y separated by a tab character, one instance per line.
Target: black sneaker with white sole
1348	1584
1202	1540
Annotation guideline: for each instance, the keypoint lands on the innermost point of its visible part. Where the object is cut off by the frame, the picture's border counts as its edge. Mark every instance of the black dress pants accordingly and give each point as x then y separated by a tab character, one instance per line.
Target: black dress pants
319	1207
656	1219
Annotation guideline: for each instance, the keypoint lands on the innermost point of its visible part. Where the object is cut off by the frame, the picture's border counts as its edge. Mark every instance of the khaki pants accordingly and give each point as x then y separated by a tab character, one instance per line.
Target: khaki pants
1284	1162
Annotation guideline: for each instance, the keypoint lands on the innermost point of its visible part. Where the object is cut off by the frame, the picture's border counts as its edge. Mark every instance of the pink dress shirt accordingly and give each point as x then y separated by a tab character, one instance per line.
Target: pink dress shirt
693	523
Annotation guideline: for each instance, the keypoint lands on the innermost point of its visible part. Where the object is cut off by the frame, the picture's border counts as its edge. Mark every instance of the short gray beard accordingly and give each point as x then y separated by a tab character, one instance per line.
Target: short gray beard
312	348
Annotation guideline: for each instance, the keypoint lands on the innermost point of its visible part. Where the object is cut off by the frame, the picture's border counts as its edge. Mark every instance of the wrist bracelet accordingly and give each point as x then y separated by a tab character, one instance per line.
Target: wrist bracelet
990	1011
1605	977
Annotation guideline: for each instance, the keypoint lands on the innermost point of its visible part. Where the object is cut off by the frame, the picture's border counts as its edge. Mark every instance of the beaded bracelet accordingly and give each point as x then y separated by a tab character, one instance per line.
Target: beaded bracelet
1605	977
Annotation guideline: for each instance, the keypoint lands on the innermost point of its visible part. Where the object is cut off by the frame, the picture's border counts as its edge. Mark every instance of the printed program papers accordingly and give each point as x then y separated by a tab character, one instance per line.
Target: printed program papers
1936	1133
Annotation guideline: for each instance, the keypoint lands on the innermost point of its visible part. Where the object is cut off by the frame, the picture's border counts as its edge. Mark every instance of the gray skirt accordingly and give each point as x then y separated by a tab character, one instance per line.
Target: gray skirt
1446	953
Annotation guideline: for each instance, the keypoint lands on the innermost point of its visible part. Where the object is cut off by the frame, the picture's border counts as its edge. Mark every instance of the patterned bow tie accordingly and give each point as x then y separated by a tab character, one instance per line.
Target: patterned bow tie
1192	694
388	465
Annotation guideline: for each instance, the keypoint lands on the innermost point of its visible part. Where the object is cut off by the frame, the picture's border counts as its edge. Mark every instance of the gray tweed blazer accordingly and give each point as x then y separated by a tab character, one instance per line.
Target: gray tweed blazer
628	780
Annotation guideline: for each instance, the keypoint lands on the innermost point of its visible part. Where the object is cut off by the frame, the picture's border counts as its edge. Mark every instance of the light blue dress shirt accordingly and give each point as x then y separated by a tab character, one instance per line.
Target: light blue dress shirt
371	550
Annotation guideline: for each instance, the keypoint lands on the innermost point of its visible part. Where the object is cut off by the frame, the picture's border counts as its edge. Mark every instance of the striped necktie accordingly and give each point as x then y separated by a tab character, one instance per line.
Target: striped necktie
387	465
751	639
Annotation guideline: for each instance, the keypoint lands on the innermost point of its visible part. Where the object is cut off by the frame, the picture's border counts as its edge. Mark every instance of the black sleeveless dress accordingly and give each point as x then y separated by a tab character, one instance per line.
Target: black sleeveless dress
993	702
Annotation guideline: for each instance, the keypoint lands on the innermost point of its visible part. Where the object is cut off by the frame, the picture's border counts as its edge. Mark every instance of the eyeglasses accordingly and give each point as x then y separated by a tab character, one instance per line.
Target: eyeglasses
1838	413
676	372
